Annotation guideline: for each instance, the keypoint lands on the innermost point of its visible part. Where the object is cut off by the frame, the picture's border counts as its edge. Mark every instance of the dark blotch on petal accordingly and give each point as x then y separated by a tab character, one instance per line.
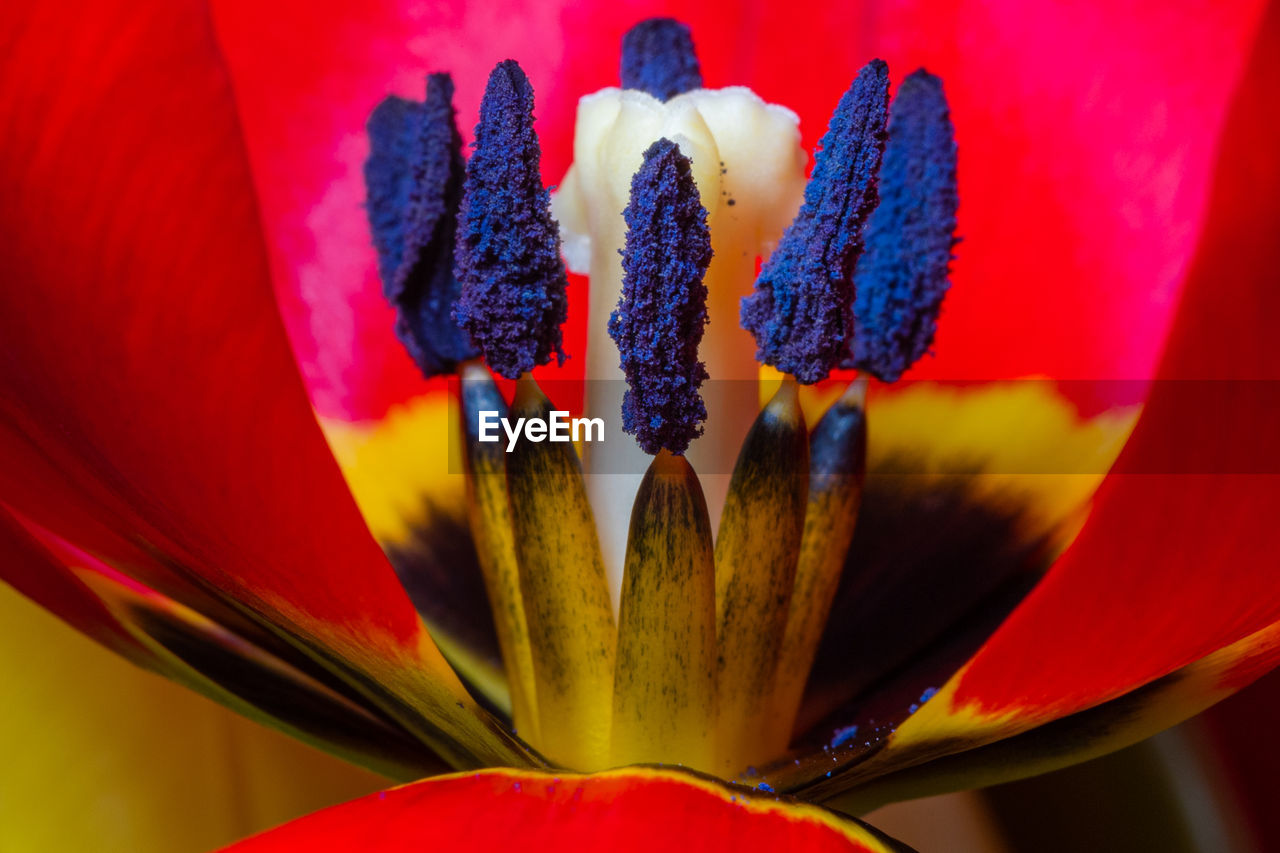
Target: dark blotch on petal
902	276
659	321
802	310
508	256
658	58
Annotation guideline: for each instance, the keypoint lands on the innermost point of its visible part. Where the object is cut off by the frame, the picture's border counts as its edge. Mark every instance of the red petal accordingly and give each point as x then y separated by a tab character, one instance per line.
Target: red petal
1172	567
622	810
144	362
1078	737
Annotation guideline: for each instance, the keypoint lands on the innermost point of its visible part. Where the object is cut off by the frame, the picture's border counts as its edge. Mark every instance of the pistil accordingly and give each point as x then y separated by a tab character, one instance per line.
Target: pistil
749	170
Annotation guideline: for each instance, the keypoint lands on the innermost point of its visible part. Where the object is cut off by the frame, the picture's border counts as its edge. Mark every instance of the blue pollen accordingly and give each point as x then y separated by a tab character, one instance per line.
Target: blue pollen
508	253
765	786
414	179
659	320
928	694
901	278
658	58
801	312
843	736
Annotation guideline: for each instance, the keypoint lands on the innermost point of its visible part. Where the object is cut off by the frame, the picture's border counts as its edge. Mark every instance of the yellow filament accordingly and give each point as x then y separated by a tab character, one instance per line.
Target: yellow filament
566	597
489	512
756	553
835	491
664	687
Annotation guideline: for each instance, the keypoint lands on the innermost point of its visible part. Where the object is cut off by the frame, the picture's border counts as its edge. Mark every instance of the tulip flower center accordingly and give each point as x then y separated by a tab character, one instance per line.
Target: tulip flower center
714	529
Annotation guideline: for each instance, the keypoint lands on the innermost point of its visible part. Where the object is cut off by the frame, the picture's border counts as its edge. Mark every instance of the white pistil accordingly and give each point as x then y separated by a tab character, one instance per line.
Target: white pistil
749	168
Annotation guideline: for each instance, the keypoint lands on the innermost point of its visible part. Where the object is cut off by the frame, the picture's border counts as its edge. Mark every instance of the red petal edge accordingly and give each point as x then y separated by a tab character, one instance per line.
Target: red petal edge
623	810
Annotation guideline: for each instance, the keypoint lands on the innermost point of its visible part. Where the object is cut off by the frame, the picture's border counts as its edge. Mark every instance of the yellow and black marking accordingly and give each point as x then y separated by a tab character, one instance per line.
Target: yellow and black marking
664	688
222	666
489	512
566	597
954	747
756	552
837	467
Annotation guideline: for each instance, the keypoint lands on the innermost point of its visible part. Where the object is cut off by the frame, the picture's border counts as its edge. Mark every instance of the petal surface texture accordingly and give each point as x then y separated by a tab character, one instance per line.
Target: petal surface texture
620	810
151	412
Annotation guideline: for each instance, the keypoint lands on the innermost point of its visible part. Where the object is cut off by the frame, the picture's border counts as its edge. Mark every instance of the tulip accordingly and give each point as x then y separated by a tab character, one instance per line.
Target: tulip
216	451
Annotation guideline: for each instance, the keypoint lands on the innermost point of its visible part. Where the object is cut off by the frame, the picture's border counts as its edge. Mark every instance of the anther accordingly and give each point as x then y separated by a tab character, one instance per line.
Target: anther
508	255
414	175
659	320
801	313
901	278
658	58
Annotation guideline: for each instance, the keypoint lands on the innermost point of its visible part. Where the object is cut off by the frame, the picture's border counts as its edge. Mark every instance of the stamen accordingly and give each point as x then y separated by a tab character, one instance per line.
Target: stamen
513	281
414	174
802	310
659	321
658	58
901	278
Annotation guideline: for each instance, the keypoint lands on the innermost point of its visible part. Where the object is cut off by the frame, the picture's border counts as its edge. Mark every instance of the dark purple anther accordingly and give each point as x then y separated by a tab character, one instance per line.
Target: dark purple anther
414	182
901	277
508	256
659	321
801	312
658	58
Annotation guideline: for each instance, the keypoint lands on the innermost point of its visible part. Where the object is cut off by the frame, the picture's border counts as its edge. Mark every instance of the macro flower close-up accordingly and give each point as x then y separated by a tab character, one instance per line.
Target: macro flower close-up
608	425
